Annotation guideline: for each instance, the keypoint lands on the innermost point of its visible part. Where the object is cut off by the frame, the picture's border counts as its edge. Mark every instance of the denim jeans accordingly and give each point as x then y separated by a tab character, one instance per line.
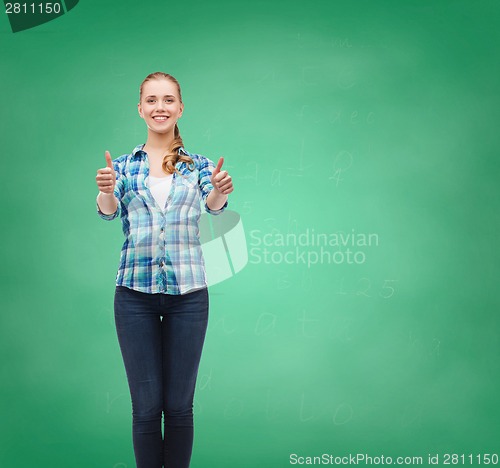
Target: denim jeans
161	338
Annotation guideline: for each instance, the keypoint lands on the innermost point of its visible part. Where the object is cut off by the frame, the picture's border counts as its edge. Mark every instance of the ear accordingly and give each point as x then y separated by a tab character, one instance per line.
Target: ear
182	109
139	108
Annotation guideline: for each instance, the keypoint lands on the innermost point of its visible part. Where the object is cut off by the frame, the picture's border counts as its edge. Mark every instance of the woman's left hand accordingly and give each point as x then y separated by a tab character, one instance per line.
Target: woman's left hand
221	180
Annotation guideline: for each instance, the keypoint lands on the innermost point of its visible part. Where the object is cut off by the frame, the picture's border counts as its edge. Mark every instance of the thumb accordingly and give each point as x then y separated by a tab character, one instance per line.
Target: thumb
109	163
219	165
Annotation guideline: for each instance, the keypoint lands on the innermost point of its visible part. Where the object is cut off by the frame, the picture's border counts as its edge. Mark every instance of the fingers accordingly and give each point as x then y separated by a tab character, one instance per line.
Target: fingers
106	180
219	177
226	190
109	162
223	182
105	170
106	186
106	177
219	165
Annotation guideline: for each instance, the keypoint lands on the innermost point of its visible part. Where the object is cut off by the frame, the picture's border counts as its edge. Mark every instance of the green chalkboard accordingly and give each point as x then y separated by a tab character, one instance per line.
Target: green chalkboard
354	296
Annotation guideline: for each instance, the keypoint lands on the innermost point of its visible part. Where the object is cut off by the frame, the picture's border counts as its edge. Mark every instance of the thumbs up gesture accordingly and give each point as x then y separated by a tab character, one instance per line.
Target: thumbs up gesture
106	177
221	180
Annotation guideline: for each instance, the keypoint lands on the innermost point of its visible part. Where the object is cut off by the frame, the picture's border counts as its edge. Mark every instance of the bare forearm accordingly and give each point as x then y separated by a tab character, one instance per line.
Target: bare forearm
216	200
107	202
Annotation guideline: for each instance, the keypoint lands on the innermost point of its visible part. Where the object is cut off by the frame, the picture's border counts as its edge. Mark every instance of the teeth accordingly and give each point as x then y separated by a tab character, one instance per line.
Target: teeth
160	118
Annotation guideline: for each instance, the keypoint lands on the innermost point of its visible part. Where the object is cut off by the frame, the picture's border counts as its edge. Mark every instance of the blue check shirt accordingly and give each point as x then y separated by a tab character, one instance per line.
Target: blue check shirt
162	251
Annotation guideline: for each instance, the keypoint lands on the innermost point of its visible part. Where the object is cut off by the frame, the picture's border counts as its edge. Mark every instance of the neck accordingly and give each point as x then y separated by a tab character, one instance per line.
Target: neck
158	143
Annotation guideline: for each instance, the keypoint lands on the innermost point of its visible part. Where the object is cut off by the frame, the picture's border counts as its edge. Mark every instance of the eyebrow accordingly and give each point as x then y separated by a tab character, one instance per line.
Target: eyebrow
166	95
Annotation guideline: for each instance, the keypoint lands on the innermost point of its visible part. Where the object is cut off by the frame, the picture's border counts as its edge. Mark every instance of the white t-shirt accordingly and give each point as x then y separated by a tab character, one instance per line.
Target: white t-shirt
160	188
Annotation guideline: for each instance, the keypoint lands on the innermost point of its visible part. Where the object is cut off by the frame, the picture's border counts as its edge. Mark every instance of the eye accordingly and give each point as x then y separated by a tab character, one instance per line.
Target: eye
150	100
170	100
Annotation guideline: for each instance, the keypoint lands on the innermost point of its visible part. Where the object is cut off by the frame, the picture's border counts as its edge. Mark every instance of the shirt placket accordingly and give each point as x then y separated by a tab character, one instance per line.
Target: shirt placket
166	279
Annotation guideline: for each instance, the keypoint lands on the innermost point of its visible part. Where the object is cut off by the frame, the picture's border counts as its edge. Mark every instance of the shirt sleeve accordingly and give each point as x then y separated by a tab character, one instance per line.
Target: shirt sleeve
118	192
206	168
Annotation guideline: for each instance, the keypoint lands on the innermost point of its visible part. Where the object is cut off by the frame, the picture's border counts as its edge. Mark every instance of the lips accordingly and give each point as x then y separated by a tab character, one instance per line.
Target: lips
160	118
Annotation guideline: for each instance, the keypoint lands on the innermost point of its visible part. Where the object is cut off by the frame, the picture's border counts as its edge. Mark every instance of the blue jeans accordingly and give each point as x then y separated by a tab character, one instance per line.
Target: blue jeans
161	338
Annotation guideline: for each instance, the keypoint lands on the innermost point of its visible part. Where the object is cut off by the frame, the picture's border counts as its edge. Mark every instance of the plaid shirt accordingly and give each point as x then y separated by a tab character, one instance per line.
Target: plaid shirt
162	251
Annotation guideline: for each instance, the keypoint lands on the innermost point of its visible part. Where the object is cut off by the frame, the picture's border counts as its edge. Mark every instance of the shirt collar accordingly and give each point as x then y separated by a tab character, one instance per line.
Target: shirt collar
138	153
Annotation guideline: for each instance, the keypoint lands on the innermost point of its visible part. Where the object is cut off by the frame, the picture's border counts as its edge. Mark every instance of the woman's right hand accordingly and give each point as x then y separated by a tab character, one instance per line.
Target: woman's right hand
106	177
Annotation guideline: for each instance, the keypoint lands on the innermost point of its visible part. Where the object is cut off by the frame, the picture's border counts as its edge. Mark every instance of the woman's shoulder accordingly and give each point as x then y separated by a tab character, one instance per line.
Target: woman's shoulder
199	160
135	153
193	156
121	163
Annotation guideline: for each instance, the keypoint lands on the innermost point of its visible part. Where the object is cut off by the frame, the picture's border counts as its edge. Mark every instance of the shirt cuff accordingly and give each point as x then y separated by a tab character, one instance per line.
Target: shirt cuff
108	217
216	212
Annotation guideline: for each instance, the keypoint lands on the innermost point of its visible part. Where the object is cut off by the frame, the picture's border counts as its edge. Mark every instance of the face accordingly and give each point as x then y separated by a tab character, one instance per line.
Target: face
160	105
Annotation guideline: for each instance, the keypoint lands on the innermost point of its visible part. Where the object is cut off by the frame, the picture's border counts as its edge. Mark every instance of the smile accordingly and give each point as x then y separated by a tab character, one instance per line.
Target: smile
162	118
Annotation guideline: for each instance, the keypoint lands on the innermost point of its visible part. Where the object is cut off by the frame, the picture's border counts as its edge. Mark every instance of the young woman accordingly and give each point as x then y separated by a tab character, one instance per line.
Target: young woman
161	299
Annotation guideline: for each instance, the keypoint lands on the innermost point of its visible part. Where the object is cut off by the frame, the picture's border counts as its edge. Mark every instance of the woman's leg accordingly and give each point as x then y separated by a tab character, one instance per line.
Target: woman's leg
184	324
138	327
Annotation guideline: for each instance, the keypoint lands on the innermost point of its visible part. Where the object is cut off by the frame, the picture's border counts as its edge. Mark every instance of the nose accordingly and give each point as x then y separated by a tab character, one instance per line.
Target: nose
159	104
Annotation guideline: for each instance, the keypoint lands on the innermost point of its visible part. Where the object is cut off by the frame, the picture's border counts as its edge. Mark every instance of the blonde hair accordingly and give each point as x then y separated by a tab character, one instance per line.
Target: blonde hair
172	157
